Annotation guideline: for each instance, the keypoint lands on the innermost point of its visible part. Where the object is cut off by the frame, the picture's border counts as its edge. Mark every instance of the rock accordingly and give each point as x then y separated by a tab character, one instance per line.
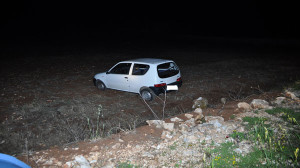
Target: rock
198	111
109	165
238	150
190	122
166	135
245	147
156	123
148	155
189	116
190	139
168	126
68	164
223	100
200	103
95	148
199	119
279	100
245	106
291	95
211	118
216	123
241	129
82	162
260	104
176	119
115	146
183	128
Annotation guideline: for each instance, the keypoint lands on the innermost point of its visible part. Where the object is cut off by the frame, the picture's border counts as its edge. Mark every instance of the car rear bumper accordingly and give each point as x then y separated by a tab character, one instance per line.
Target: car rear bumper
159	90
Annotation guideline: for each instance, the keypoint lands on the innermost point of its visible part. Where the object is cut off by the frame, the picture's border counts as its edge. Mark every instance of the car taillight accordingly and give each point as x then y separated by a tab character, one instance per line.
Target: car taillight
179	79
160	85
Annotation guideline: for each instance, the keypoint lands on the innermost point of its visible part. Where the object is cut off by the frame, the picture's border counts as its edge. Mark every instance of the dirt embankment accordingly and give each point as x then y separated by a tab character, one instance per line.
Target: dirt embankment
51	101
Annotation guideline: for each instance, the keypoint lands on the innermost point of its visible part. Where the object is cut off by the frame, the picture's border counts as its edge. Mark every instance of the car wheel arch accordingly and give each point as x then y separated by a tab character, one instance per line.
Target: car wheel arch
149	93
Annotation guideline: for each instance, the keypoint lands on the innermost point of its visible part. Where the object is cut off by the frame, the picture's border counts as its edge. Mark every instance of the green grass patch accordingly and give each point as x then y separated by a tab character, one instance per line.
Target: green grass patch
224	156
253	121
174	146
288	114
232	116
238	135
125	165
279	110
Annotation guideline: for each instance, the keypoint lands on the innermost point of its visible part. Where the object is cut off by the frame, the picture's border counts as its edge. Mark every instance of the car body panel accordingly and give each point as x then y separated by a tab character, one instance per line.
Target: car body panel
133	83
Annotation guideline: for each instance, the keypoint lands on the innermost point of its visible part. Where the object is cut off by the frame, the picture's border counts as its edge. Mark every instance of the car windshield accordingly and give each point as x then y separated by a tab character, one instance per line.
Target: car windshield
166	70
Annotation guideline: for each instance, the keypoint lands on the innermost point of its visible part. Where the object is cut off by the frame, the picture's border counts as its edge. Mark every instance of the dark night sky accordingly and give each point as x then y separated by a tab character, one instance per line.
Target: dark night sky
43	22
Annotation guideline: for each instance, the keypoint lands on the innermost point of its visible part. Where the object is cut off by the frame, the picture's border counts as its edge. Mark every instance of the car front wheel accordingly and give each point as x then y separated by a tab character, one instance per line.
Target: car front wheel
147	94
100	85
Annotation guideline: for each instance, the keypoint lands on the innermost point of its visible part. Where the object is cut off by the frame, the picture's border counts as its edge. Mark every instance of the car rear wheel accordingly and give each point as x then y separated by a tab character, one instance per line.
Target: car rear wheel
147	94
100	85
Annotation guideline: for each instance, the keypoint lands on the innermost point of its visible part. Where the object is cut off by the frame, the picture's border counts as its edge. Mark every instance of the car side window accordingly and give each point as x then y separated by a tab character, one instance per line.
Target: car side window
140	69
122	68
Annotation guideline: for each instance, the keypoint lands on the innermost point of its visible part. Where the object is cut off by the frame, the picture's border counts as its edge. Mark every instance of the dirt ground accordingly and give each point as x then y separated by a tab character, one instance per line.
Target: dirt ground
50	101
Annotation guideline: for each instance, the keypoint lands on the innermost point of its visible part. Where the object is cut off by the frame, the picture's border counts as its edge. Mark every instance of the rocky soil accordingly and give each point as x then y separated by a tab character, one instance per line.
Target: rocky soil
180	141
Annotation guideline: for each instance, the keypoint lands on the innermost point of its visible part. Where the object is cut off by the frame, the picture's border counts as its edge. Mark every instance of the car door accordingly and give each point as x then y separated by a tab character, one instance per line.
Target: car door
117	77
139	77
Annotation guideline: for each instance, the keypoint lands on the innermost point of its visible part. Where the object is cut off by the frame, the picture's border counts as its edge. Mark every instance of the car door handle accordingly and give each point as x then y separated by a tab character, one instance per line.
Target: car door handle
126	77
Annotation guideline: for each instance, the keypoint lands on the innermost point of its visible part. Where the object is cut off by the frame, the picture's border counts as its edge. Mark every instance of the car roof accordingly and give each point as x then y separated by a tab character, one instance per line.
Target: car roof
149	60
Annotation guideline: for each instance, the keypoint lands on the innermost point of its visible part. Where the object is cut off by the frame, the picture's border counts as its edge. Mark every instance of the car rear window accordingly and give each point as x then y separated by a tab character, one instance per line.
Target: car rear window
140	69
166	70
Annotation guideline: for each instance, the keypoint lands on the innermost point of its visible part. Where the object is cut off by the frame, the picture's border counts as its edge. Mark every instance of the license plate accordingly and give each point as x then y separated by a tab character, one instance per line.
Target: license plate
172	87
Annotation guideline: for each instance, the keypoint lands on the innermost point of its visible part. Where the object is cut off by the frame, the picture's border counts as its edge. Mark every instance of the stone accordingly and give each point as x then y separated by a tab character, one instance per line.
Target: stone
199	119
211	118
200	103
223	100
198	111
95	148
148	155
216	123
291	95
176	119
115	146
189	116
245	106
68	164
190	139
156	123
238	150
109	165
259	104
82	162
183	128
168	126
166	135
279	100
190	122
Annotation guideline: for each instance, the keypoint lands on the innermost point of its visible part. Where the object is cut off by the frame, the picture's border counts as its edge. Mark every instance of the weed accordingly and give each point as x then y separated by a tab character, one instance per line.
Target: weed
224	155
238	135
279	110
126	165
173	147
232	116
95	129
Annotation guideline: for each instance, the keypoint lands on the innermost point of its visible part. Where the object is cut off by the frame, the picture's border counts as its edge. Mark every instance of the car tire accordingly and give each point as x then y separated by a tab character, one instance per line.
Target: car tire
100	85
147	94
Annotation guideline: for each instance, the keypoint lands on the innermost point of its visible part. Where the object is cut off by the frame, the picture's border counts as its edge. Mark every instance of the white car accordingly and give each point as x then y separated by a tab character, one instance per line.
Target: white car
147	76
